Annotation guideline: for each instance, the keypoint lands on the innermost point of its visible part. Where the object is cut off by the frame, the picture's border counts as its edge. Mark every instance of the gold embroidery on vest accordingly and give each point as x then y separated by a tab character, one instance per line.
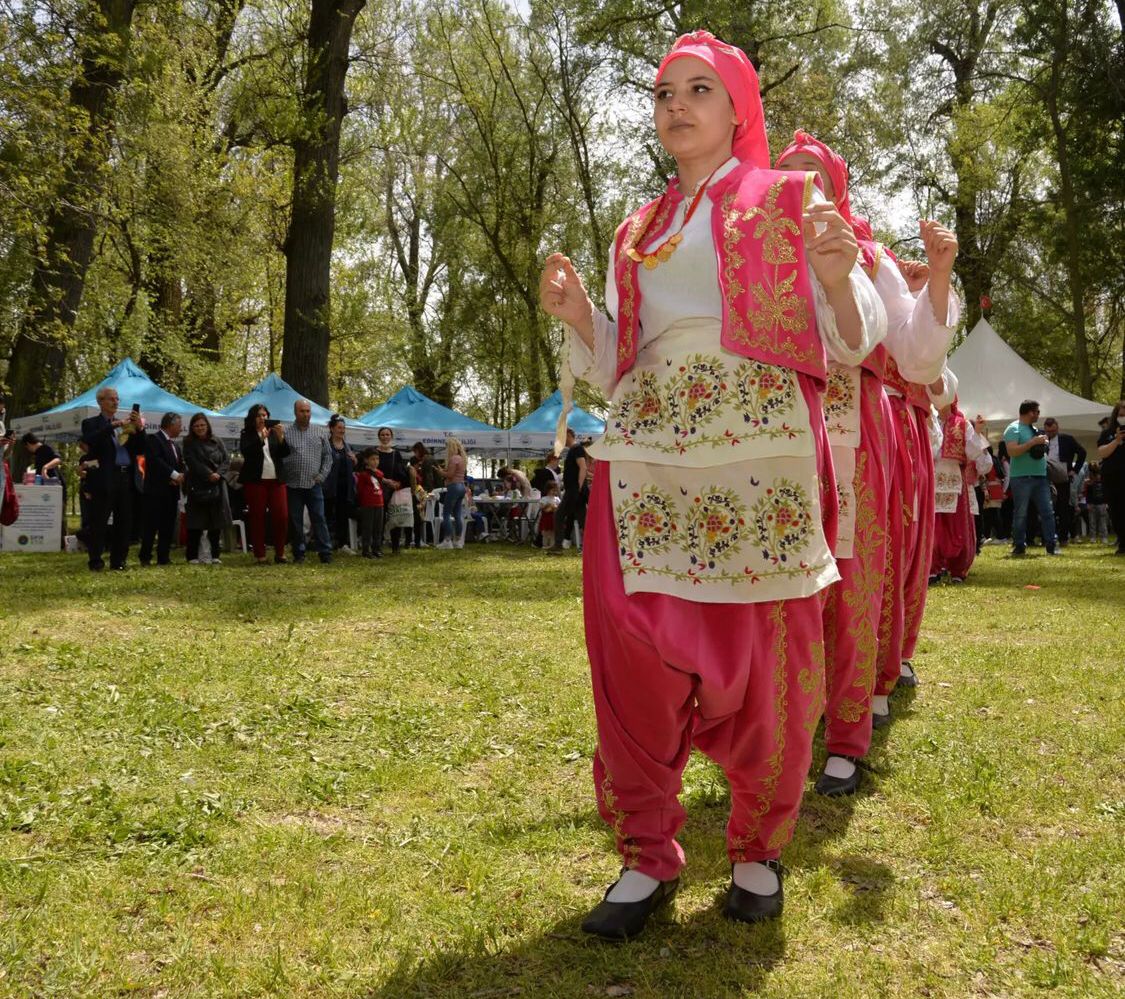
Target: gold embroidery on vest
780	310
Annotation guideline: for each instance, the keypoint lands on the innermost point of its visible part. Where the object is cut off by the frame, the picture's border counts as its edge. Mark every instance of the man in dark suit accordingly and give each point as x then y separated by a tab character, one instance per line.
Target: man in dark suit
164	477
113	445
1067	451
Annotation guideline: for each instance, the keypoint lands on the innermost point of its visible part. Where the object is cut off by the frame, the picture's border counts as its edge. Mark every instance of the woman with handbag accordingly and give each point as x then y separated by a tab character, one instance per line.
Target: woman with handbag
207	460
396	479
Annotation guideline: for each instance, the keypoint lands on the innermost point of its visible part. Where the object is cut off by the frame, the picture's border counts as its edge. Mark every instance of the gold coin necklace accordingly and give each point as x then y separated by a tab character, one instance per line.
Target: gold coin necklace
665	250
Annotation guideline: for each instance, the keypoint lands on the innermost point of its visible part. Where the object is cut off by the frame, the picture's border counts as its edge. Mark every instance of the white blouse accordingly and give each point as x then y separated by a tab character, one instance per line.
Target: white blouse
269	471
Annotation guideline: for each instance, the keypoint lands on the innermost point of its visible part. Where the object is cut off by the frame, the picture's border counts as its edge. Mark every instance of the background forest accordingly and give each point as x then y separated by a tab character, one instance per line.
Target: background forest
359	193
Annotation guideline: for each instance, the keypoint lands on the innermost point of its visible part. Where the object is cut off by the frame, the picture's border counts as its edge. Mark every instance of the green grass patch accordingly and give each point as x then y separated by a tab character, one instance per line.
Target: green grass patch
372	779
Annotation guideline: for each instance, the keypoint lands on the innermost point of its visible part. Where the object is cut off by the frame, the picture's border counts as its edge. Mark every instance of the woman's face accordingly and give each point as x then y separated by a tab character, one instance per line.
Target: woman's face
260	419
338	431
199	428
692	110
810	164
385	438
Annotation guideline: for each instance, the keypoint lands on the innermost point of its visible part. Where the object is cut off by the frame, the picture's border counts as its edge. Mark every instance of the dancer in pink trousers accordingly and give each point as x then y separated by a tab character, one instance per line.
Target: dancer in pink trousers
710	526
959	461
860	429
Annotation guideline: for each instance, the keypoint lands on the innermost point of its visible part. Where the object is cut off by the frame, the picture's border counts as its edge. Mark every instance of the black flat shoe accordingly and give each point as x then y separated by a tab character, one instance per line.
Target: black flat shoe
907	679
746	907
625	920
880	721
838	787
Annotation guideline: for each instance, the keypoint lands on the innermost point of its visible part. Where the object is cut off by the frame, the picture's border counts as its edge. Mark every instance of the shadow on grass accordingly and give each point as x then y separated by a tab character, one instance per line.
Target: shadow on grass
701	955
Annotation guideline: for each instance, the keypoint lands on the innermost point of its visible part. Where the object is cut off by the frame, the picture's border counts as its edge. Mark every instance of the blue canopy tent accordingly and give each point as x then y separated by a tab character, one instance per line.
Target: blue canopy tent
64	421
414	417
278	396
534	435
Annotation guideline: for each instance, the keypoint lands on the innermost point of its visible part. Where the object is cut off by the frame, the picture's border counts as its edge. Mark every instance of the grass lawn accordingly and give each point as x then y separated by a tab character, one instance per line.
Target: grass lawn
372	780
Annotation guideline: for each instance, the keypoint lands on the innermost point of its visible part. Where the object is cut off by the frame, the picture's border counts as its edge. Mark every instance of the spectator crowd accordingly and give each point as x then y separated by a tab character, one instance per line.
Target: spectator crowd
292	486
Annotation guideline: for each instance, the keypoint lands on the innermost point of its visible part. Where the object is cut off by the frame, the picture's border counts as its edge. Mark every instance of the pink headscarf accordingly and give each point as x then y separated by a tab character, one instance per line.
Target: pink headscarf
862	229
834	165
737	73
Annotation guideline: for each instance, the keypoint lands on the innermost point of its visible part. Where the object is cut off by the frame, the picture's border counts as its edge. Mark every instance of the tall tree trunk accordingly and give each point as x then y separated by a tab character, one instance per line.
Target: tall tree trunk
312	227
59	276
1071	213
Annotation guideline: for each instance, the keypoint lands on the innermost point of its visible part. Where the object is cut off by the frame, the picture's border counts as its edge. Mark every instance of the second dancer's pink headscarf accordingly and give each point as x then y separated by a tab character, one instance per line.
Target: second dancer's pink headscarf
834	165
736	71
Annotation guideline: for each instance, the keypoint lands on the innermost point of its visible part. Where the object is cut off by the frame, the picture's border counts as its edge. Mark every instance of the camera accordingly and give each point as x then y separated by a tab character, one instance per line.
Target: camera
1037	451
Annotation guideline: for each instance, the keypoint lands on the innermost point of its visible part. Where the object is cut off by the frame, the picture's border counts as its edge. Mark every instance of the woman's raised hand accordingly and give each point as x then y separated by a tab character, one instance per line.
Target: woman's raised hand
940	244
915	274
830	244
563	295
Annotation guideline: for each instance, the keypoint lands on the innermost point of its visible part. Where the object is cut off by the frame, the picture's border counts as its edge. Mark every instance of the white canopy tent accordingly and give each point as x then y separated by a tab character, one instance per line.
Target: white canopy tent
992	380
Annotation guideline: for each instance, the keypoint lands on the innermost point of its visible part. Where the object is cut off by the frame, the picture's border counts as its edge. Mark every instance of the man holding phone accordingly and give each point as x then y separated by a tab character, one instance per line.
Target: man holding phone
113	446
1027	448
1111	452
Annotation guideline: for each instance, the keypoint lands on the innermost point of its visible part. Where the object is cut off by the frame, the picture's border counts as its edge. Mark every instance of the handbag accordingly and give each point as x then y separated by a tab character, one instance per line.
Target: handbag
10	508
401	497
399	516
1057	472
205	492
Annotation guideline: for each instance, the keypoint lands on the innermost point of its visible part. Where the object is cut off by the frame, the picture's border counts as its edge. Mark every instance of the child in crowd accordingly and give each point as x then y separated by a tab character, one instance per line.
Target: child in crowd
477	523
369	504
1093	494
548	504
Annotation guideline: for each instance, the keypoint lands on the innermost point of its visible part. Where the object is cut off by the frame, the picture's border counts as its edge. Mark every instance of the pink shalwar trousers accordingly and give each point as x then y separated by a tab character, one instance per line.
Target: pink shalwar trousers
909	543
853	606
955	540
744	682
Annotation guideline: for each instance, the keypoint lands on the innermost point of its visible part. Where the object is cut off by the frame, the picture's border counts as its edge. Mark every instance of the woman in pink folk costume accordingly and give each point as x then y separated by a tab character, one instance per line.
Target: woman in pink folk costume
910	533
861	431
709	530
959	460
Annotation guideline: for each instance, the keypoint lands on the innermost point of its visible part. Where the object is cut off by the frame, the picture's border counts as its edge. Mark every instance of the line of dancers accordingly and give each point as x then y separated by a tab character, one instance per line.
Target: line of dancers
758	546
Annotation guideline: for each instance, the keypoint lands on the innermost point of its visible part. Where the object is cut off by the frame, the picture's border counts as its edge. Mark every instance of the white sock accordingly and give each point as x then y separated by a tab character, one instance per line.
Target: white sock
880	705
633	887
837	766
756	878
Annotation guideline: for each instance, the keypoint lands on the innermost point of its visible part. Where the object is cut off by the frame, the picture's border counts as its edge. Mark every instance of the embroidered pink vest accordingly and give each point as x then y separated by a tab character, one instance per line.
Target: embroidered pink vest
912	392
953	442
768	310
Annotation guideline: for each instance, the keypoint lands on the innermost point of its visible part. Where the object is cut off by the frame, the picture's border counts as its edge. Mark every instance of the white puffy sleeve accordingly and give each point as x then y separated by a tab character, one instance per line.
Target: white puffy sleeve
976	450
871	313
599	366
949	390
915	338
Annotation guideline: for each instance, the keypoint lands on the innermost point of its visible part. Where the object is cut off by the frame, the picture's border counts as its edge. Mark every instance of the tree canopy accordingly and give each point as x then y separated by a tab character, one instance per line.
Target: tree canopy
359	194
